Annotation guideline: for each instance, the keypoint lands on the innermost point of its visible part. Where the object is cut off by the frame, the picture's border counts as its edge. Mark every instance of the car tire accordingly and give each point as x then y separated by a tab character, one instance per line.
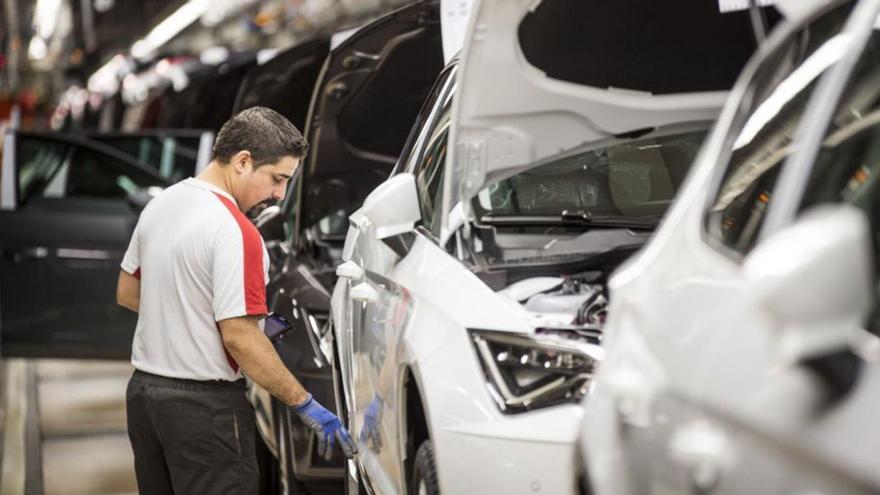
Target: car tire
424	477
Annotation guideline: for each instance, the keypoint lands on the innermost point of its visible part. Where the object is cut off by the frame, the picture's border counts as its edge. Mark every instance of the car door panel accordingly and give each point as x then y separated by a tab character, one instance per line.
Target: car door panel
62	243
374	324
80	270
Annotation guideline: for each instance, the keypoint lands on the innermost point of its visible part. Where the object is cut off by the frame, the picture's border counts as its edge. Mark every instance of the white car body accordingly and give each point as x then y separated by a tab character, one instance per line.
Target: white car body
406	304
709	384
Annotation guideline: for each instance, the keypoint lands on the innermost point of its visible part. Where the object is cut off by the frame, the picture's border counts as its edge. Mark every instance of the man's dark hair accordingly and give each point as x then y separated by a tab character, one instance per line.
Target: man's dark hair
265	133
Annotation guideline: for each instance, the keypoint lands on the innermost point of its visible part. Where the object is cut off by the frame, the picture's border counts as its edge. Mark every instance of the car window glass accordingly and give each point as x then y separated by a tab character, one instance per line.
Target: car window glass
438	104
334	224
847	169
39	161
98	175
84	173
429	176
292	200
762	134
174	157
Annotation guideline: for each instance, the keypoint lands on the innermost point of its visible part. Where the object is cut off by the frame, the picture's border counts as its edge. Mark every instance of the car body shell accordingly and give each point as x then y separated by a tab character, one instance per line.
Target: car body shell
698	390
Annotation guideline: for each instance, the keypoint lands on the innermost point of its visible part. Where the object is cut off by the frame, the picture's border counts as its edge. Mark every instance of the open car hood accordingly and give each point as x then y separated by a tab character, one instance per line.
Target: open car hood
366	99
538	79
207	101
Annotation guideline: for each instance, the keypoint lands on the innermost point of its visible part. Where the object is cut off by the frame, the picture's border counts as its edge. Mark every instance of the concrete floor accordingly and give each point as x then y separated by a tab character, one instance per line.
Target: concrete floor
67	416
85	447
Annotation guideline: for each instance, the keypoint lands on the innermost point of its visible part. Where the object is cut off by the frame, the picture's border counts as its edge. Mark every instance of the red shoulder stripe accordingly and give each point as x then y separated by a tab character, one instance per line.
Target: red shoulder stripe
254	283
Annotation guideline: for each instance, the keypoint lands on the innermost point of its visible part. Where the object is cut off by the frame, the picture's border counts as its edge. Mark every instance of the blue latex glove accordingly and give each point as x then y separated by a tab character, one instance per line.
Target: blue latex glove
327	426
372	418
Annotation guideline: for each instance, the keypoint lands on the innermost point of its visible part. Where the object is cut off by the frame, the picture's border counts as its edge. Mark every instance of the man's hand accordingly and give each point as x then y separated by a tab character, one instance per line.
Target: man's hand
327	426
372	418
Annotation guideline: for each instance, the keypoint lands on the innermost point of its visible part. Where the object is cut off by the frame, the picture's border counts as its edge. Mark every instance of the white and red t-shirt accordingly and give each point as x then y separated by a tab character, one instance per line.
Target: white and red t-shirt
199	261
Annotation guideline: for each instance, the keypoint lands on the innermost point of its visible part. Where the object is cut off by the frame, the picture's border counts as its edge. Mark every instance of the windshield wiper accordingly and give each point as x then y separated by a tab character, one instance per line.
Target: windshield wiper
586	218
574	218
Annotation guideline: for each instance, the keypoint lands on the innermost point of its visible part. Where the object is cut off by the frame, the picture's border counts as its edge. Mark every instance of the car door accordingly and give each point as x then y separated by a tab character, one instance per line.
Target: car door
175	153
65	223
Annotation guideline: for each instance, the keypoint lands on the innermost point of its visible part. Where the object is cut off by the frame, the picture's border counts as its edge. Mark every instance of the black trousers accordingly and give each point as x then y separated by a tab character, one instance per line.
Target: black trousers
191	437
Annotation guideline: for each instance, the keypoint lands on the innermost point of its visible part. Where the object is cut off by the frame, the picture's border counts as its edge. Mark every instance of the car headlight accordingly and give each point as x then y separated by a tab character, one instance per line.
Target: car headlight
527	372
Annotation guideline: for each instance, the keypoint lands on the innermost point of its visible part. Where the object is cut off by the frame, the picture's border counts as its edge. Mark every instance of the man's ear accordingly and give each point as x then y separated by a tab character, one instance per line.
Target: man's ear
241	160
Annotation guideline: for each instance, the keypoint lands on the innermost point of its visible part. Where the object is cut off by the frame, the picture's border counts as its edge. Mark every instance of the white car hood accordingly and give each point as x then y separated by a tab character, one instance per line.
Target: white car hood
508	115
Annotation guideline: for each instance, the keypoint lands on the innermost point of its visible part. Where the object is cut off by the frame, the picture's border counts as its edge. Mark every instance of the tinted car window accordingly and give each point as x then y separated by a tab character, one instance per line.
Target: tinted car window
173	157
847	169
438	104
762	133
334	225
429	177
81	173
39	161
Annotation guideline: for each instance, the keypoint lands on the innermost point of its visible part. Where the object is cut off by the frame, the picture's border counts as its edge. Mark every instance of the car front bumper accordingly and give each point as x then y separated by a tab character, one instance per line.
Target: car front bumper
527	453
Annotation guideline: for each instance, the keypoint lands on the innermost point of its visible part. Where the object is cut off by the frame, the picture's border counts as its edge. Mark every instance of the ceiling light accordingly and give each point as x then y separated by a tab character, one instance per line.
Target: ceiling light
170	27
37	50
45	17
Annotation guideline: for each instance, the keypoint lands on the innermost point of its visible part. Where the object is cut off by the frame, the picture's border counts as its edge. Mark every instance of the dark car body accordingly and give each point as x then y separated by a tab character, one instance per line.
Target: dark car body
66	217
369	92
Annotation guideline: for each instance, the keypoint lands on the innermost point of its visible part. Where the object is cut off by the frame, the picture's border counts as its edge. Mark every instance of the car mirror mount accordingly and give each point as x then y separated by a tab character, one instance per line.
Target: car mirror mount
393	207
815	277
270	223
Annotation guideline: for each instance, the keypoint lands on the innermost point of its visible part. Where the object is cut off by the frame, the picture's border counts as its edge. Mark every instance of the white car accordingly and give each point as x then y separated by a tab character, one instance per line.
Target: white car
470	303
741	342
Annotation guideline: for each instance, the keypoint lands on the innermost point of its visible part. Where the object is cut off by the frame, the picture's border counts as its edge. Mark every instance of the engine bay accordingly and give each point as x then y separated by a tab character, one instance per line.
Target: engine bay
573	305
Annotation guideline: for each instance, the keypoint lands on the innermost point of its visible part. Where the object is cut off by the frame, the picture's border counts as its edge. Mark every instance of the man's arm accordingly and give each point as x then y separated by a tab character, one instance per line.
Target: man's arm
252	350
128	291
250	347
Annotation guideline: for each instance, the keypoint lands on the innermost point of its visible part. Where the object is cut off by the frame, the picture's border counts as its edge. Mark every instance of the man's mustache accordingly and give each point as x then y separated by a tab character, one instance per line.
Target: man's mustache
259	207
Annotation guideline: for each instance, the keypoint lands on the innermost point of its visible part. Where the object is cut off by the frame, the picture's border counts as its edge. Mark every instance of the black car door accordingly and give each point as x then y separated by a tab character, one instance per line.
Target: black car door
65	222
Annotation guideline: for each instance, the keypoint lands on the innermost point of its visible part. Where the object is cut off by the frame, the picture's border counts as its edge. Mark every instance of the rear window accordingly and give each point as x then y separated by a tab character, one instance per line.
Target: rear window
661	47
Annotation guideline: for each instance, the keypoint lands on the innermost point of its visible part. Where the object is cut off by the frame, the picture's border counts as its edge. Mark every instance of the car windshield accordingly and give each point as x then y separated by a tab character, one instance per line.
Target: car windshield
636	178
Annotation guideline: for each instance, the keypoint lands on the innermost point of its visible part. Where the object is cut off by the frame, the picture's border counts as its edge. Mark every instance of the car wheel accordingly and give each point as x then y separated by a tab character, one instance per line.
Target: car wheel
424	478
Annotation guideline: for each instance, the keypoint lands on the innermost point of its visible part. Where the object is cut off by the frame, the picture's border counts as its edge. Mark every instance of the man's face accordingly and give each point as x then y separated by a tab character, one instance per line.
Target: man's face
267	182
